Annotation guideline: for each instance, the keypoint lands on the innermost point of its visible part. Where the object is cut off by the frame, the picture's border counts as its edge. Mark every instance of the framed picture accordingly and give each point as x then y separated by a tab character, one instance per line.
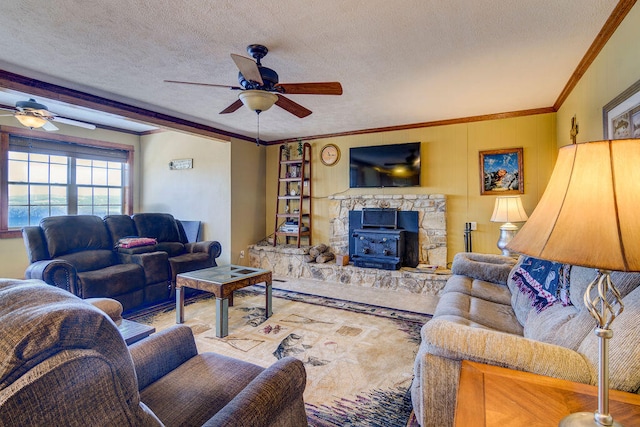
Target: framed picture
621	116
501	172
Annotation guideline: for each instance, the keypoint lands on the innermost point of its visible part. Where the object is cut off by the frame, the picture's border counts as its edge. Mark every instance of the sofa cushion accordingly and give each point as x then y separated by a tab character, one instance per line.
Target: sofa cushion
488	267
189	262
157	225
580	278
477	311
560	325
90	259
73	233
112	281
478	289
120	226
187	392
172	248
624	351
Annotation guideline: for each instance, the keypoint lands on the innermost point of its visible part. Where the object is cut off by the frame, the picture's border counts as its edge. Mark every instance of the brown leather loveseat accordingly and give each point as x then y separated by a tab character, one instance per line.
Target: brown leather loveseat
79	253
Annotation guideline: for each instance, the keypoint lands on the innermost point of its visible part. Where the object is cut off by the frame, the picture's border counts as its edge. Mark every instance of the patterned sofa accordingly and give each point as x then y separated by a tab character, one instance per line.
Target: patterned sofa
489	313
80	253
66	364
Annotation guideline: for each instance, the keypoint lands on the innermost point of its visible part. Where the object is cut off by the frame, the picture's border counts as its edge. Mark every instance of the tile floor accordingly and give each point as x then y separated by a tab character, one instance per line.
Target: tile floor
399	300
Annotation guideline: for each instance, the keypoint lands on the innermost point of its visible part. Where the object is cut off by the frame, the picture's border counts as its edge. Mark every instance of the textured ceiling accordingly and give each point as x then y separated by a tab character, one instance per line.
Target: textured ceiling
399	62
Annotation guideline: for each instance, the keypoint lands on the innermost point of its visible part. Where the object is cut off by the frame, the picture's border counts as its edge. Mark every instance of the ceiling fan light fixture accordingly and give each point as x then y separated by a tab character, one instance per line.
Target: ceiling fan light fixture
258	100
30	121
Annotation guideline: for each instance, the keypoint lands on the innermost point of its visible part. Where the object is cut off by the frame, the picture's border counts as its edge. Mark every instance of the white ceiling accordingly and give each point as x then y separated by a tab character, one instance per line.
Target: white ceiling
399	62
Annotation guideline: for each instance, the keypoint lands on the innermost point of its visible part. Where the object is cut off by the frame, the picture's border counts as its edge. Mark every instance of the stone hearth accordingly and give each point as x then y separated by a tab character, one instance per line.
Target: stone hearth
288	261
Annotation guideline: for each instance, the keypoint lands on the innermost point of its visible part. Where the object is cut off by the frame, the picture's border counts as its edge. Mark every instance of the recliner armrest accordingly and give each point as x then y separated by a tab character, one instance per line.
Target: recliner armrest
213	247
55	272
267	397
488	267
161	353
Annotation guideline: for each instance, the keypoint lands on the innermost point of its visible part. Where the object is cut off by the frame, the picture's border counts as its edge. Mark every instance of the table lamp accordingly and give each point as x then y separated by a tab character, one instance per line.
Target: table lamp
508	209
588	216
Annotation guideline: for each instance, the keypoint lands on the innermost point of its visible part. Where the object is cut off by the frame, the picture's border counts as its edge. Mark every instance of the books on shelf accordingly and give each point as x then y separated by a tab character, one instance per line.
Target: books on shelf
285	228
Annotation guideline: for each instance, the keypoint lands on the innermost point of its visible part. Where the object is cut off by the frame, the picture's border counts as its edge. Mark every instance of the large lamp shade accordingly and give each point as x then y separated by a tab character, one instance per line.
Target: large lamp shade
589	213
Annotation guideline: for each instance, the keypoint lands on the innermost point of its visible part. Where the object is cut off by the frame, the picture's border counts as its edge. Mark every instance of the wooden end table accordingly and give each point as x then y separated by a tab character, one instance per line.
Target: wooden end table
491	396
133	331
222	281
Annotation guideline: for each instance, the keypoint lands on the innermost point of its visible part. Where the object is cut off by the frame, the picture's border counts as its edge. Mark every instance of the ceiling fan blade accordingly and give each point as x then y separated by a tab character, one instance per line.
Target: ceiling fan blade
7	107
49	126
73	122
326	88
204	84
45	114
292	107
233	107
248	68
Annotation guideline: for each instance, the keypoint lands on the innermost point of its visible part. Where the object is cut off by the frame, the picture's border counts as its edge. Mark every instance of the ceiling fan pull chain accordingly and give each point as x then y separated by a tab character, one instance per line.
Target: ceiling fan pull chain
258	136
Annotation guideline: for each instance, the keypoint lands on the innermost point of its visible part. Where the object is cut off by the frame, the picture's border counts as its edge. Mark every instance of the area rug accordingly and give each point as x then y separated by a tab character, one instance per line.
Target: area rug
358	358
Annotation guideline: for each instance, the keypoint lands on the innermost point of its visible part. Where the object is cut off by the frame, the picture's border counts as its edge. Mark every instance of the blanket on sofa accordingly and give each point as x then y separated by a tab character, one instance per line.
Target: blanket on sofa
546	282
134	242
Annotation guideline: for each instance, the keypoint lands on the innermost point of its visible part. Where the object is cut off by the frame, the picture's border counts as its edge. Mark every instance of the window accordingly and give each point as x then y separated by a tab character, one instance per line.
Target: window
61	176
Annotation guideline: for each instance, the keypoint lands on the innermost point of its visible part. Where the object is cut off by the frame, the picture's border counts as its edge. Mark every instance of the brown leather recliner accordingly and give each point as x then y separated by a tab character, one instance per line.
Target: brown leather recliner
170	236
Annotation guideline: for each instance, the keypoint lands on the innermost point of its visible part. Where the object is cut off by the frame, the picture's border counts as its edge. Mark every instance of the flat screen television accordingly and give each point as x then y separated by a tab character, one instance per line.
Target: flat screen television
395	165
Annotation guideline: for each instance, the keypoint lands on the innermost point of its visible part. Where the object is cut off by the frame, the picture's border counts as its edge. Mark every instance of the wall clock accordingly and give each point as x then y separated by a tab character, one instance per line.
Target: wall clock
330	154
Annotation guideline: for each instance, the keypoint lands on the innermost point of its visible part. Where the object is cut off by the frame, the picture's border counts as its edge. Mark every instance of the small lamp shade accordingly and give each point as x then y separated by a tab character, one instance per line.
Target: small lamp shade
508	209
258	100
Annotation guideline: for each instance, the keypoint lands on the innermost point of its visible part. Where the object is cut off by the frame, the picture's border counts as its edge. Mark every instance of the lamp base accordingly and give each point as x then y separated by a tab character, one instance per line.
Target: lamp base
584	419
507	232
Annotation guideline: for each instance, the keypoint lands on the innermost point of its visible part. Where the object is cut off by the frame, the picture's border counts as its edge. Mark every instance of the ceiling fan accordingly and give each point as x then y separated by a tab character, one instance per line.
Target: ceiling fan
35	115
260	87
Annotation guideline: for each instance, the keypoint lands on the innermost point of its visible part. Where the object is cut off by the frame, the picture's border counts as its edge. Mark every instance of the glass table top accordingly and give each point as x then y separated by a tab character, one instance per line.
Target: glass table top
224	273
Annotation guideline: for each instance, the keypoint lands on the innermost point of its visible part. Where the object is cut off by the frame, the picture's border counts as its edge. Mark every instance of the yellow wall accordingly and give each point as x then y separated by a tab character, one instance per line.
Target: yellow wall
239	211
450	166
615	69
247	198
224	189
12	251
201	193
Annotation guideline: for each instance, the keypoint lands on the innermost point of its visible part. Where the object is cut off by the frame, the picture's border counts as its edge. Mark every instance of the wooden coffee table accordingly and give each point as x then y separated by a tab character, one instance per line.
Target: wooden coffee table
222	281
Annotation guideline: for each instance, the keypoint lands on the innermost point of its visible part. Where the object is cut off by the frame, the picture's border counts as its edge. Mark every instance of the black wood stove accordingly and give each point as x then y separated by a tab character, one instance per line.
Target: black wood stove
379	241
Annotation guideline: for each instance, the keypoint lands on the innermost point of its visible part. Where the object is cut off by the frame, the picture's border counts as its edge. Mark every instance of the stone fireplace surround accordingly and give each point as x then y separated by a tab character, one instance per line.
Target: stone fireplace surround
288	260
432	223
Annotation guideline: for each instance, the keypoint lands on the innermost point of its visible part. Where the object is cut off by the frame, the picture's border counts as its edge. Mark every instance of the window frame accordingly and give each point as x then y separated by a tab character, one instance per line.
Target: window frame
7	131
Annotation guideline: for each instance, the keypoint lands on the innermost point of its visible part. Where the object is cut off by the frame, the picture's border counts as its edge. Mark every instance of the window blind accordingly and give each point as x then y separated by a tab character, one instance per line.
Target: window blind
69	149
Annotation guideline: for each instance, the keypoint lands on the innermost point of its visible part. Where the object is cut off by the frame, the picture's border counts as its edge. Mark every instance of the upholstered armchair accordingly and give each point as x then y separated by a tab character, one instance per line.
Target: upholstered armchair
65	363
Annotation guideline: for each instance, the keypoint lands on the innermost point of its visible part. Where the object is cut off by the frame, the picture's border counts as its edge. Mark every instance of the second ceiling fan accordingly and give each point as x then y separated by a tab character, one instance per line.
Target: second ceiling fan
260	87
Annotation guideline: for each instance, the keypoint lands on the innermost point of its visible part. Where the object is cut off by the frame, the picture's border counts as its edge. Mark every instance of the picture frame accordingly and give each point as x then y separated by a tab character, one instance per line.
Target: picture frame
501	171
621	116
